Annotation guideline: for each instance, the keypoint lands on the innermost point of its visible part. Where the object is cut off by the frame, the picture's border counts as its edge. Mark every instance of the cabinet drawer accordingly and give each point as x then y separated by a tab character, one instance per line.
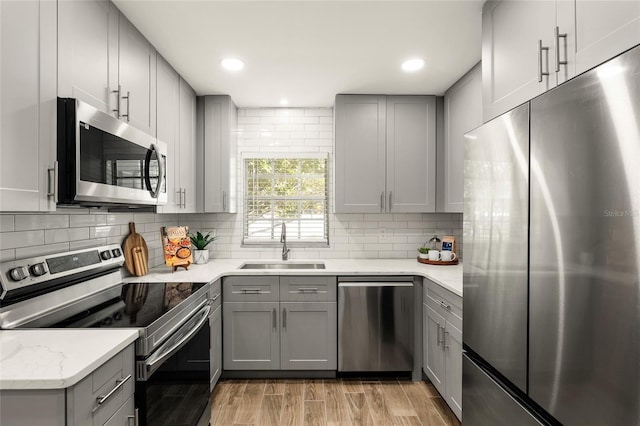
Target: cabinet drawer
444	302
251	289
307	289
216	294
113	382
124	415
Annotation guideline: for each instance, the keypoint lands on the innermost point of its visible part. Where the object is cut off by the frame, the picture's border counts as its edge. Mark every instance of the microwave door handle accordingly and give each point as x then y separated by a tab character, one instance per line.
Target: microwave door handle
161	173
155	193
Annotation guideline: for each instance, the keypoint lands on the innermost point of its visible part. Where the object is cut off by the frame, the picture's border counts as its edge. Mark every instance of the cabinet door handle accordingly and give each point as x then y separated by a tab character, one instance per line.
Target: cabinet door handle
117	92
184	200
134	418
224	201
119	383
438	333
53	182
446	333
557	38
284	319
128	106
390	205
273	318
179	192
540	72
382	201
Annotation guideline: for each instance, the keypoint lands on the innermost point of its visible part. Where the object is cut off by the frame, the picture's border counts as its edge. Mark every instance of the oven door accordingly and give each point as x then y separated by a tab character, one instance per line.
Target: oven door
103	160
172	385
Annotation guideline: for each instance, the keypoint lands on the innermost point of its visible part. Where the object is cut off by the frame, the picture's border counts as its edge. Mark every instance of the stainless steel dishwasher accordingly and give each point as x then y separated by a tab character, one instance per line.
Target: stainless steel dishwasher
375	324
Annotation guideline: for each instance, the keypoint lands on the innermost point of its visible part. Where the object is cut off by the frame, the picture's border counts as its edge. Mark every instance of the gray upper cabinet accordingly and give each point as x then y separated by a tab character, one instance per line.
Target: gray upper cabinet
105	61
462	113
88	52
28	105
185	156
385	154
514	62
136	78
168	129
360	135
603	29
219	133
176	126
529	47
411	154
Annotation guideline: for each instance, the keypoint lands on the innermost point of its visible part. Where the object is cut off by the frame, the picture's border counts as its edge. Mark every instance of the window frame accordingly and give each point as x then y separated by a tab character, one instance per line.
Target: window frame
275	241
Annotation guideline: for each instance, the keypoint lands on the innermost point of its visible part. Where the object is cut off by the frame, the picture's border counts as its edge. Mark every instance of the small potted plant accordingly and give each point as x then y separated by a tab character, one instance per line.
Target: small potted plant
200	242
423	252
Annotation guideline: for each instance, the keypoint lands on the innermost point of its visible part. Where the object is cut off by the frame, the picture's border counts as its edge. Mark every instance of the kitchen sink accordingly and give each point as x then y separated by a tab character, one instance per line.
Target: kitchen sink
282	265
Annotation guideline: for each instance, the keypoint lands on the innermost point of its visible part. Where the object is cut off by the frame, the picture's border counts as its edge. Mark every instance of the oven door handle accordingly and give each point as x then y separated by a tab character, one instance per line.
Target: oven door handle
168	349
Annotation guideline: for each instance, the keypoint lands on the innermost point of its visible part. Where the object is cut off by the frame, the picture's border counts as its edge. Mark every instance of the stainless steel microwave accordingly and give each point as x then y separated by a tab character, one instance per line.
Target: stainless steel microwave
103	161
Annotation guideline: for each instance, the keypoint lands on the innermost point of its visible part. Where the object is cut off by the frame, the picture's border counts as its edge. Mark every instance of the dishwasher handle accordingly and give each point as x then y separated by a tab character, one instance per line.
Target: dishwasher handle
376	284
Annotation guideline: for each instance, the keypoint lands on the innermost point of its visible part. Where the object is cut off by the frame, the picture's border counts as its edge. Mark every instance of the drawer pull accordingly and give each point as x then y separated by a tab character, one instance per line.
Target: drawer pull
215	297
119	383
251	291
444	305
304	290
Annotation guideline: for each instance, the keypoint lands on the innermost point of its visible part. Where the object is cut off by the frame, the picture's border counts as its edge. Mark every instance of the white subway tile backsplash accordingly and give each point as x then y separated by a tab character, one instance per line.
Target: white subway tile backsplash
52	236
77	221
299	130
7	255
7	222
83	244
17	239
105	231
25	222
318	112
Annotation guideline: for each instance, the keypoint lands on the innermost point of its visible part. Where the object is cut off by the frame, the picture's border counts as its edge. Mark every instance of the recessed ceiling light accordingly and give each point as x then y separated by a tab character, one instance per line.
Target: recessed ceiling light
412	65
284	102
232	64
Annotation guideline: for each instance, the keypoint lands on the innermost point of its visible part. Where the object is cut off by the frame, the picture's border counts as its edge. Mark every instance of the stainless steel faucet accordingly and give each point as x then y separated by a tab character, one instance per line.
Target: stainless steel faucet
283	240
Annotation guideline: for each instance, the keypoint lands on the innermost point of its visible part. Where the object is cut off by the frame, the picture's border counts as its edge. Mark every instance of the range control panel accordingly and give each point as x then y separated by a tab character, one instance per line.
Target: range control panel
19	274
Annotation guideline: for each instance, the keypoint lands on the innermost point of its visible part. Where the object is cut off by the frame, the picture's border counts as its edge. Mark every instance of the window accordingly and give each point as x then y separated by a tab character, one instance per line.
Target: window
290	190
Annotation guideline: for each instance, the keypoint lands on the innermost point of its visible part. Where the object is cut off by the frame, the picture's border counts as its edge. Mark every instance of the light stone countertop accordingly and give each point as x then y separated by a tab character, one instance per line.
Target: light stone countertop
59	358
449	277
56	358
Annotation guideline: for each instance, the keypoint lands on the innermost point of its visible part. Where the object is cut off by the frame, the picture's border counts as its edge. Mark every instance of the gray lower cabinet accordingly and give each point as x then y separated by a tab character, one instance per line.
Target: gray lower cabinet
251	336
215	323
433	348
280	323
308	339
113	383
442	340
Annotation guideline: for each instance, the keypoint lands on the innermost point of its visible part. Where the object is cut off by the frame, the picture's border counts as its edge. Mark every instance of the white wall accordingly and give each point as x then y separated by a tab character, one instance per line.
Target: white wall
263	130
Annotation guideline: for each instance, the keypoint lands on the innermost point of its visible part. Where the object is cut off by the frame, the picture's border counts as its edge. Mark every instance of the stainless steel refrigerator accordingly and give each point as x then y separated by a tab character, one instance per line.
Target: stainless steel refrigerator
552	256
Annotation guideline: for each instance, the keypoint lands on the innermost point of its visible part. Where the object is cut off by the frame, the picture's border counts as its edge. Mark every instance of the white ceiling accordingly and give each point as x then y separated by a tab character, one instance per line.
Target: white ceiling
308	51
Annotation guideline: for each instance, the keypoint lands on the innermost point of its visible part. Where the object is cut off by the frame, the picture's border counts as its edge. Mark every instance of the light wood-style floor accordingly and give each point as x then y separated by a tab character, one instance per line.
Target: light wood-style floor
329	402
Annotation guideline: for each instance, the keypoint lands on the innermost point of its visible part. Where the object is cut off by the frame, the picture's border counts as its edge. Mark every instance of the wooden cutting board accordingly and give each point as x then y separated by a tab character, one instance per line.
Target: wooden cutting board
136	253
